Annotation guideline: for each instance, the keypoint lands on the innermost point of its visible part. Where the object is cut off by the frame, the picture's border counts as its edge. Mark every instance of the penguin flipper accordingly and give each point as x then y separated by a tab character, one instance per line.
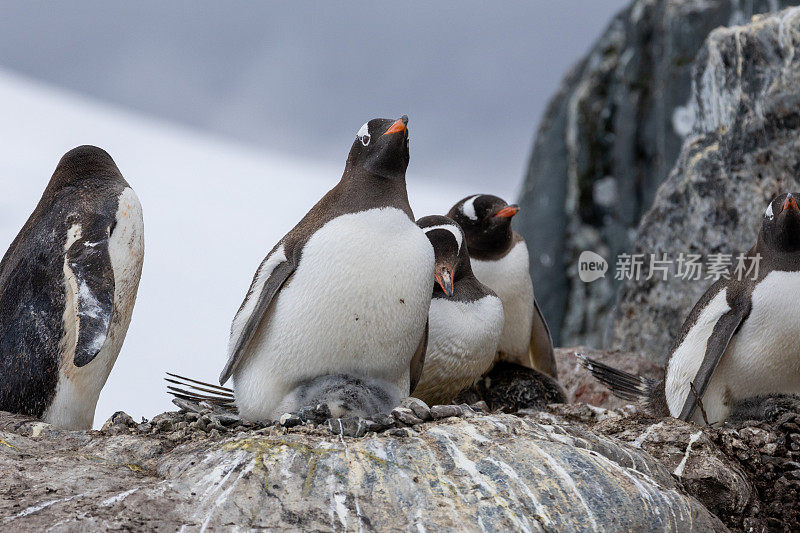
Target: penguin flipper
90	279
418	361
724	330
540	352
262	292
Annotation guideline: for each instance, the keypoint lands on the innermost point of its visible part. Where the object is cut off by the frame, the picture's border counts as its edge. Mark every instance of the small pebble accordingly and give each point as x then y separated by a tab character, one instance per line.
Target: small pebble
406	416
290	420
481	407
420	408
445	411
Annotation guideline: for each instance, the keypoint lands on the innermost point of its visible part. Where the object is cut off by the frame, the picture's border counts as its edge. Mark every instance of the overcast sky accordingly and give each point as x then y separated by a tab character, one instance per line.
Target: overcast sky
298	77
240	115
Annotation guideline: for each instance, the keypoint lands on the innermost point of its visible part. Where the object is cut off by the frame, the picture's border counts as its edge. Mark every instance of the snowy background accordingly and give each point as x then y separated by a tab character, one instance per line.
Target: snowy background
231	120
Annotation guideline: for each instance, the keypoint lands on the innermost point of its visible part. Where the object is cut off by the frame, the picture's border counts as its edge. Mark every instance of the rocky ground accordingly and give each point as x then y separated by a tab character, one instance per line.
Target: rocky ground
566	467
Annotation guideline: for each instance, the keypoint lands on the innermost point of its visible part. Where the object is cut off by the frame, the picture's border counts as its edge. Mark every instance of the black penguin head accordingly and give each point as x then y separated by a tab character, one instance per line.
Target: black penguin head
381	148
486	221
450	252
83	162
780	229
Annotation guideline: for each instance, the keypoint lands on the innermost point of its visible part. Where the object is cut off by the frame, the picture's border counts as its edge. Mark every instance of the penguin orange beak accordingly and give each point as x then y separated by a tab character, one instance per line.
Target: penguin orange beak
507	212
790	203
399	125
445	280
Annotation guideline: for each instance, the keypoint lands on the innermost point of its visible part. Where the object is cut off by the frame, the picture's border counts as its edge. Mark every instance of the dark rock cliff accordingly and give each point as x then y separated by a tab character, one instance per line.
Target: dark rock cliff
609	138
743	150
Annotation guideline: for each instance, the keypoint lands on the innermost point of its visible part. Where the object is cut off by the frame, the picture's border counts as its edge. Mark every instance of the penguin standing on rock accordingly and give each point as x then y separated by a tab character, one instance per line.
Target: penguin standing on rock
68	285
341	302
500	259
740	340
466	318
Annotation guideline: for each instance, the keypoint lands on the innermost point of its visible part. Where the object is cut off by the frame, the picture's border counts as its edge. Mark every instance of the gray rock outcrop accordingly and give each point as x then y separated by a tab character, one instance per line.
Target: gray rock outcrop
608	139
545	471
743	150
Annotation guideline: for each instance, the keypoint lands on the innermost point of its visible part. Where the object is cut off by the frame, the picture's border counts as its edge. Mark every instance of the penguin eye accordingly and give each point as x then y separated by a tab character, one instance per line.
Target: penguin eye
768	213
363	134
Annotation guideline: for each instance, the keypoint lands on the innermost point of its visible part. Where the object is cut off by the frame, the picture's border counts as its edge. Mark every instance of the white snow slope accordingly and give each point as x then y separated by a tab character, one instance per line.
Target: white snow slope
212	210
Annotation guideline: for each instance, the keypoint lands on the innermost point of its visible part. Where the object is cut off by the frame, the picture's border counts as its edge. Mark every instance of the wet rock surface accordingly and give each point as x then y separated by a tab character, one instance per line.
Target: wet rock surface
743	150
567	467
536	471
609	138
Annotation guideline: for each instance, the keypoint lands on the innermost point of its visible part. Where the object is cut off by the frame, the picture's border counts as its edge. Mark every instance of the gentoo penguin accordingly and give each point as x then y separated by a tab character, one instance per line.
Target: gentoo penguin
740	340
500	260
346	292
466	318
68	284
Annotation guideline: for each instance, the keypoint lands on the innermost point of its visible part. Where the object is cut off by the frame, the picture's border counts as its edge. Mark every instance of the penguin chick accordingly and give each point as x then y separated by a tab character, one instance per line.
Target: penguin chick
344	395
466	318
740	339
500	260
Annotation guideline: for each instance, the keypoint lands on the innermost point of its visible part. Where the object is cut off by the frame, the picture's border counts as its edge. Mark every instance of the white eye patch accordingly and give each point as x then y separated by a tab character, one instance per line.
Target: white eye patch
363	134
468	208
768	213
452	229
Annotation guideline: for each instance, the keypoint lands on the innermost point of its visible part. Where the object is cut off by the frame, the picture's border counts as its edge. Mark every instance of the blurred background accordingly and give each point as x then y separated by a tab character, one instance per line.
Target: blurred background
231	120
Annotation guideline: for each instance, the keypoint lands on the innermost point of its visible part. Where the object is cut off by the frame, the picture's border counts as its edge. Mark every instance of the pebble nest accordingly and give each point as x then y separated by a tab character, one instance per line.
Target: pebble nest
768	450
196	420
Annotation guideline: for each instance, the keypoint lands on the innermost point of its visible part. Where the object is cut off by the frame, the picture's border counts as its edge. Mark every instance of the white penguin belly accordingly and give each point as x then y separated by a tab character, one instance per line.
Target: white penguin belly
510	279
764	356
356	304
78	389
462	342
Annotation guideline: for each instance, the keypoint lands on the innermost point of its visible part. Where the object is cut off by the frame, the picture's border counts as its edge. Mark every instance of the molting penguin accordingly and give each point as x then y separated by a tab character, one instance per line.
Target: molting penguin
346	292
466	318
68	284
500	260
740	339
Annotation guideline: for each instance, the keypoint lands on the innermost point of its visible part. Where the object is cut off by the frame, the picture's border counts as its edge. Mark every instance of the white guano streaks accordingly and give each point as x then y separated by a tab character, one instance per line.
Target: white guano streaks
637	442
541	510
561	471
682	465
467	465
347	458
118	498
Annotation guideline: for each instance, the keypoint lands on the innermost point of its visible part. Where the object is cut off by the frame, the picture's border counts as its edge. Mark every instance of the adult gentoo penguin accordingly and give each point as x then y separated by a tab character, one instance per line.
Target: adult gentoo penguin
68	284
740	339
466	318
346	292
500	260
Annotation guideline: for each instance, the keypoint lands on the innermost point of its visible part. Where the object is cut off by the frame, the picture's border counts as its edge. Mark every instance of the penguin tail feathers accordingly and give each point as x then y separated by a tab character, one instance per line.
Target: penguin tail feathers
199	391
622	384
